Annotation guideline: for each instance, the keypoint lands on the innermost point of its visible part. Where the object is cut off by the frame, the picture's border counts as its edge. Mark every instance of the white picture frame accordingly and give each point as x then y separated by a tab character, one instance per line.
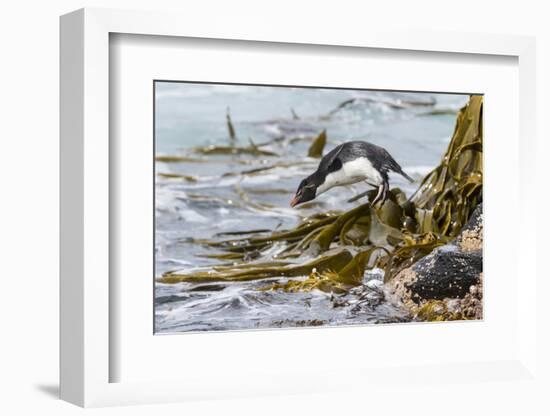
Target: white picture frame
86	353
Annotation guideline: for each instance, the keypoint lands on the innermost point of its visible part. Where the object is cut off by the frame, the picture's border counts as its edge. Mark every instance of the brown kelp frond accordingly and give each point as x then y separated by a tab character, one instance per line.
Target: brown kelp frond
438	311
330	280
391	236
308	224
230	128
454	188
191	159
252	150
439	112
188	178
243	232
336	260
316	148
327	281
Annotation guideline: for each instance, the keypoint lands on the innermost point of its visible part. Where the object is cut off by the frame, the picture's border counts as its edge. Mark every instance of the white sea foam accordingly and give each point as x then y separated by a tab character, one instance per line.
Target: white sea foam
192	216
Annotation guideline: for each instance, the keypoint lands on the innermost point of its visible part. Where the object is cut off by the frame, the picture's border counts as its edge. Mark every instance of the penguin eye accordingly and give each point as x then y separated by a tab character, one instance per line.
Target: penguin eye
309	186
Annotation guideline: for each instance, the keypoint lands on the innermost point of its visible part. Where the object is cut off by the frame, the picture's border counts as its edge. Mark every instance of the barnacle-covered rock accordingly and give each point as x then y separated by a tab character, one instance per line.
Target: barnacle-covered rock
450	272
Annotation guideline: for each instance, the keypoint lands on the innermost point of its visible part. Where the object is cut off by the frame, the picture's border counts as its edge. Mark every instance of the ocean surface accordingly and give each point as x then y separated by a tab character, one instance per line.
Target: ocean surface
203	196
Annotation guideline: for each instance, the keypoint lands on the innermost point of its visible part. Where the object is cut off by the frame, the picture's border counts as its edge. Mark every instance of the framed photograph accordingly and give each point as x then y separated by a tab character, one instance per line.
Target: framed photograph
281	213
258	226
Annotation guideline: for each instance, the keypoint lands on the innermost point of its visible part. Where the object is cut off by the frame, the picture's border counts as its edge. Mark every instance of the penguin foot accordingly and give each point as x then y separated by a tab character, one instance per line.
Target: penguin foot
379	196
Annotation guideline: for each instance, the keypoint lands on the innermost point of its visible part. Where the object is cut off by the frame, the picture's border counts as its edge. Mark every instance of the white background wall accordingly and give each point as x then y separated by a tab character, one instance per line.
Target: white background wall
29	57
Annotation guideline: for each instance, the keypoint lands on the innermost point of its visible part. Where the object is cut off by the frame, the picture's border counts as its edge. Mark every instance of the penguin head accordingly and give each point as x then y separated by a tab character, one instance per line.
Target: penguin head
305	192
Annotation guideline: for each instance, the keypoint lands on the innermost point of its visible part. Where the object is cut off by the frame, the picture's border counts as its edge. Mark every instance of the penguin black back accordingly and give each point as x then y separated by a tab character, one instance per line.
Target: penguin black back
379	157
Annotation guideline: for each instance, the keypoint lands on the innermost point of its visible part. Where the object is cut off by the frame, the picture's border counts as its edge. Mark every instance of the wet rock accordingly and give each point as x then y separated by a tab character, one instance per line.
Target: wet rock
446	273
447	283
475	223
471	237
472	304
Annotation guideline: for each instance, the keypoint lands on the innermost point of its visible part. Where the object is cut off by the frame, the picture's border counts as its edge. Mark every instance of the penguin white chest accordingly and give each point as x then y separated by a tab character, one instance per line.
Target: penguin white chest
354	171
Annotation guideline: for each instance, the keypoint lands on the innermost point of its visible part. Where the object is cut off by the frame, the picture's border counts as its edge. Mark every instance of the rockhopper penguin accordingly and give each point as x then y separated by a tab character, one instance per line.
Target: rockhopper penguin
349	163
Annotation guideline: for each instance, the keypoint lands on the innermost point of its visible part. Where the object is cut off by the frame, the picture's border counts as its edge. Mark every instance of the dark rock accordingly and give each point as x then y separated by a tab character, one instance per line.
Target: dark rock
445	273
476	220
449	272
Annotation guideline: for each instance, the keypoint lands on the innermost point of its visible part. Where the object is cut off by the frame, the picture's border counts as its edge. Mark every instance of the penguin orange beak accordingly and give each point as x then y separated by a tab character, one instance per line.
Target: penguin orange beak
295	201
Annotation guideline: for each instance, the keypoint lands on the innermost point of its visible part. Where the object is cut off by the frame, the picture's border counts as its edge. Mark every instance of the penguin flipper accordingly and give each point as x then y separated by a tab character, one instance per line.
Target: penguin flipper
330	162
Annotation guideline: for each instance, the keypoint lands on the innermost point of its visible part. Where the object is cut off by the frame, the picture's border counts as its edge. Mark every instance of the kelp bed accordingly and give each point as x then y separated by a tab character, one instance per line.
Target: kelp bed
333	249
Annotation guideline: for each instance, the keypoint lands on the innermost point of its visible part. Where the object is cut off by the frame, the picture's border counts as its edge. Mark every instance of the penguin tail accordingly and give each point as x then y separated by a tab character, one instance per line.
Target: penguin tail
411	180
397	169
